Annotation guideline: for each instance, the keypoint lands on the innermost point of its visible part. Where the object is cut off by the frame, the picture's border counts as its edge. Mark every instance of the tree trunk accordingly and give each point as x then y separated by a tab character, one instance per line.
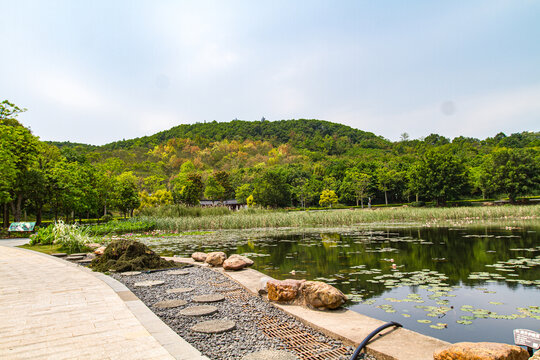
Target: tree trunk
356	202
38	216
385	198
362	201
6	215
105	209
416	197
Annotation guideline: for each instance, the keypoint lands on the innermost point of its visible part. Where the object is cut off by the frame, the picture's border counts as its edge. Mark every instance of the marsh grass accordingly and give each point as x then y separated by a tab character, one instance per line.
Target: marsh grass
332	218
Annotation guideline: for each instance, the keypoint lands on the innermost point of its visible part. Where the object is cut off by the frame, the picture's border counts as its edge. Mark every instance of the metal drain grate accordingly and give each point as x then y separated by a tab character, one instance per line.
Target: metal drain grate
304	344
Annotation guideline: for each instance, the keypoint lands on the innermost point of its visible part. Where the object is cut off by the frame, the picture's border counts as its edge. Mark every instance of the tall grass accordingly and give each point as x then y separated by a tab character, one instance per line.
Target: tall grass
274	219
181	210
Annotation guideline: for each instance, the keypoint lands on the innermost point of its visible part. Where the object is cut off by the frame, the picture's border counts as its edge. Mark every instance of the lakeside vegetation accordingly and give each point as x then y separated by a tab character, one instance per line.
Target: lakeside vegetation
345	217
281	164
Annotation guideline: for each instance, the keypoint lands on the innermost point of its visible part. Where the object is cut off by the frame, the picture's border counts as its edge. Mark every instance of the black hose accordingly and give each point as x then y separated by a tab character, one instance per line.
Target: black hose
371	335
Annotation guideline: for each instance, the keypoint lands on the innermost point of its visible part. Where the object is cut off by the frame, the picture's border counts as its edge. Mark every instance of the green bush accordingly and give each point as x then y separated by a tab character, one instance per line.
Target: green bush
44	236
418	204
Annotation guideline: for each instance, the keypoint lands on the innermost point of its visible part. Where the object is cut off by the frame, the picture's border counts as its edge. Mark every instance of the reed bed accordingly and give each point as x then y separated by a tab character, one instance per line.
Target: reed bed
330	218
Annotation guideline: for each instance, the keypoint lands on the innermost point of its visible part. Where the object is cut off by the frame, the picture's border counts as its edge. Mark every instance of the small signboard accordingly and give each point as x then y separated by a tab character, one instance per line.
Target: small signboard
22	226
528	338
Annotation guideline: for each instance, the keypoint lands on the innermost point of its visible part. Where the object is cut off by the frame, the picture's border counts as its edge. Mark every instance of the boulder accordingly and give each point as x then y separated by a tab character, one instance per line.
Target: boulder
100	250
198	256
215	258
93	246
481	351
283	290
237	262
320	295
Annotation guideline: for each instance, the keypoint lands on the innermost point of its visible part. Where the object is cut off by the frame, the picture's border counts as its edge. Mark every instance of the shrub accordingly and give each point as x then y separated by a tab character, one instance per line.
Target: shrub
44	236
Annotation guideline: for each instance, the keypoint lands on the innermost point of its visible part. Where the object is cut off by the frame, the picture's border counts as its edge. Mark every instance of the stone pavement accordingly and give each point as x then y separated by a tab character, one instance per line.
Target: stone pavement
52	309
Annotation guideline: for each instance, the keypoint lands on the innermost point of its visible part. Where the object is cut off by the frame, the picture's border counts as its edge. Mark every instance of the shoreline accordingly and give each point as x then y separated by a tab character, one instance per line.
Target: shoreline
346	325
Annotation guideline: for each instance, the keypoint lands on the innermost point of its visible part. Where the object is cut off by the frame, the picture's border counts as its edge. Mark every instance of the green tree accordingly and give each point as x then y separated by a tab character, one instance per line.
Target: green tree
223	179
20	147
514	172
213	190
243	192
356	185
127	195
272	189
439	176
386	180
328	198
191	192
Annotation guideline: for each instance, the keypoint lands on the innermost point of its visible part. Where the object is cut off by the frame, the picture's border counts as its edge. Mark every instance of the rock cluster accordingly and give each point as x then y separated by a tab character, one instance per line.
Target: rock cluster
481	351
310	293
218	258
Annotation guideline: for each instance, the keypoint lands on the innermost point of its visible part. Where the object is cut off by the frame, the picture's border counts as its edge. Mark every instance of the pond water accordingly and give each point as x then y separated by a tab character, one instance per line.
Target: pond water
456	284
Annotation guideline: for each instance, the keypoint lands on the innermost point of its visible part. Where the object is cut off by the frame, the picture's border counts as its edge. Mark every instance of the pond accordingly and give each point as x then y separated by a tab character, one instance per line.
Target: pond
455	284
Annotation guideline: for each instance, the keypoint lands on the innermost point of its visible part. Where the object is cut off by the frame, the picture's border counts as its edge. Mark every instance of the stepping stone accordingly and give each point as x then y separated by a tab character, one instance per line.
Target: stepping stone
178	272
78	254
149	283
74	257
208	298
199	310
229	289
270	355
167	304
179	290
130	273
84	261
214	326
59	254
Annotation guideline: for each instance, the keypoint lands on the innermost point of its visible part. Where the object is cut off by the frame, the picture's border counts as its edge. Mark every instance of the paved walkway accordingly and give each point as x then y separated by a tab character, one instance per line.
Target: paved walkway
52	309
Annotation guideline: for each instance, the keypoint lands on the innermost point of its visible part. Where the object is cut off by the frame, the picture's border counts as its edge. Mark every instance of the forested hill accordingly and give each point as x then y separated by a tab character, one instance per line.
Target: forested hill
302	132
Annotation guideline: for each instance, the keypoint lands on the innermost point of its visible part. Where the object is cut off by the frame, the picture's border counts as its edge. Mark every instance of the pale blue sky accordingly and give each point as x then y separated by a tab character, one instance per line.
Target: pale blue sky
99	71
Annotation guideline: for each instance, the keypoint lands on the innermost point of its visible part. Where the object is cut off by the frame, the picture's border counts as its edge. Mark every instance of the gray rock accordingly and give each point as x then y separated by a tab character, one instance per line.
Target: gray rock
168	304
214	326
270	355
200	310
208	298
74	257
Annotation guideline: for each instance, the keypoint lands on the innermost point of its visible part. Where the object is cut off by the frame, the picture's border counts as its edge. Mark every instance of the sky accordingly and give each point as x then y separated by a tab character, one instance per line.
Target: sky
100	71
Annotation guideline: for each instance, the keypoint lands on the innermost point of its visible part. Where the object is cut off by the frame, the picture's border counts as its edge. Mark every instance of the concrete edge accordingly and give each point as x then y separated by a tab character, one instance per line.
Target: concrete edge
175	345
345	325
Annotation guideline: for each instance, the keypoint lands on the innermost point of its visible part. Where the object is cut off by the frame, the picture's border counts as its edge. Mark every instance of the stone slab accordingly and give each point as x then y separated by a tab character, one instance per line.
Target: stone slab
130	273
270	355
214	326
200	310
74	257
168	304
177	272
179	290
149	283
208	298
59	254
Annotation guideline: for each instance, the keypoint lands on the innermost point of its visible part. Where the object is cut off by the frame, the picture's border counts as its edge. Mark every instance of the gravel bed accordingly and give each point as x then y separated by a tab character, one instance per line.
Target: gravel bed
245	309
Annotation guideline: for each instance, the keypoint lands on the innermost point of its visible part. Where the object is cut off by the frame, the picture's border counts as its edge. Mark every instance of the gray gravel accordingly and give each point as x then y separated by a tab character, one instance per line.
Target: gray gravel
245	310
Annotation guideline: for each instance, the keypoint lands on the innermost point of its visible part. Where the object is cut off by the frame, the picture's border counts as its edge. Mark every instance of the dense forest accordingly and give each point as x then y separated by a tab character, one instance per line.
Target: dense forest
287	163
